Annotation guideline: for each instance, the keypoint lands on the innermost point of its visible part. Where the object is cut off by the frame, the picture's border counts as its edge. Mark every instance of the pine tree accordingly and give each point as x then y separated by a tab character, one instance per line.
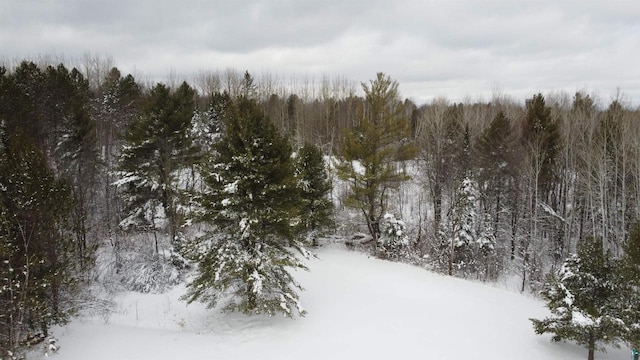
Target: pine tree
372	150
250	203
158	146
630	281
462	233
542	135
495	159
249	90
78	162
315	187
582	299
37	278
394	242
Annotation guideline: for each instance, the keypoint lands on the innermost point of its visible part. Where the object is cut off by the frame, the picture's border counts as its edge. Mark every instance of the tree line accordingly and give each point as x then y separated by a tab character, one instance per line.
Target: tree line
482	189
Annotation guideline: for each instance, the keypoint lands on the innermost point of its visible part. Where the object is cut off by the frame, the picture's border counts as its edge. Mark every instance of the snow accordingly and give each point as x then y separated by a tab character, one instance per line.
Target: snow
231	188
358	308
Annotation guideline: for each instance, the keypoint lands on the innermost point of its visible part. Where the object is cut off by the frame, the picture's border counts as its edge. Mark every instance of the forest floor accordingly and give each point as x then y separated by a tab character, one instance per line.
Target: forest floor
358	308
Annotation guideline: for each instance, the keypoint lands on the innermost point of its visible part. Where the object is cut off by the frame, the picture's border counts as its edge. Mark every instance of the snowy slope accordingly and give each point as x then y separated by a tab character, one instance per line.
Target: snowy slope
359	308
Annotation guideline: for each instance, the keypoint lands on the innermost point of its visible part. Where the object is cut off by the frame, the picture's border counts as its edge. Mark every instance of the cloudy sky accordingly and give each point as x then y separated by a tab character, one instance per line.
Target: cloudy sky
455	49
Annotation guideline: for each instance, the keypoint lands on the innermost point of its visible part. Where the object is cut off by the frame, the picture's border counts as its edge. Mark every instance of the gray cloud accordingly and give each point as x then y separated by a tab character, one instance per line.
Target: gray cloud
434	48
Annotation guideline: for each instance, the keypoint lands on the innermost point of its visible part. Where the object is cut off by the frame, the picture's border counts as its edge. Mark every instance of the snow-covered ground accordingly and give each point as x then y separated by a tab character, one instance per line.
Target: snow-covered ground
359	308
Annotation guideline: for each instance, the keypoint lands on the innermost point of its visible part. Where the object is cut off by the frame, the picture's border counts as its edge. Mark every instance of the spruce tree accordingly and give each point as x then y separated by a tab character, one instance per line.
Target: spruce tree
372	150
582	298
250	204
315	187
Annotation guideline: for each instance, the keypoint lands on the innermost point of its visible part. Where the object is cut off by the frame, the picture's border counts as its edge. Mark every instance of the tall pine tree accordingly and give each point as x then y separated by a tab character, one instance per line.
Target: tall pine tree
37	278
372	150
158	146
250	204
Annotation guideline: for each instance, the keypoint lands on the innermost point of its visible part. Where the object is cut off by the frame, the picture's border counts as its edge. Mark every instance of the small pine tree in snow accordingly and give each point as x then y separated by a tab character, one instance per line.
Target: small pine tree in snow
250	203
394	241
582	299
462	235
314	186
630	280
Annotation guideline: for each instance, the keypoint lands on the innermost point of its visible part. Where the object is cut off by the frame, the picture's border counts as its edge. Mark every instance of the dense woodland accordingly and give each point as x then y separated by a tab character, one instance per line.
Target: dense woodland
103	176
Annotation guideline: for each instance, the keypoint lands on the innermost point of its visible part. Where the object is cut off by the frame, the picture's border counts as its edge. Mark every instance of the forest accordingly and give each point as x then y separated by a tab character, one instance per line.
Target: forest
110	182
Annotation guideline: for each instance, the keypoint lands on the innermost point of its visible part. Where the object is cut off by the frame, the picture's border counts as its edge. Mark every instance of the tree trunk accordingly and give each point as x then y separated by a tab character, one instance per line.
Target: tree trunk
437	205
592	347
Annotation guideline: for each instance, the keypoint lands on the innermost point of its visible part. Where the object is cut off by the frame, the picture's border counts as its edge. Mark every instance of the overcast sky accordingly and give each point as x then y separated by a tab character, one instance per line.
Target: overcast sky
454	49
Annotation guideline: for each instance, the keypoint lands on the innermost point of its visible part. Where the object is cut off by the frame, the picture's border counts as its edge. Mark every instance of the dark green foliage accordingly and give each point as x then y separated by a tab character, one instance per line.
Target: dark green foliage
248	89
315	187
630	278
20	101
372	150
158	146
494	155
542	137
78	161
36	271
250	202
209	125
496	160
582	297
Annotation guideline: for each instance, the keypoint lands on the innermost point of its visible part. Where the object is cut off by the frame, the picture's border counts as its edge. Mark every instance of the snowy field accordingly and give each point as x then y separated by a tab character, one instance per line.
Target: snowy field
359	308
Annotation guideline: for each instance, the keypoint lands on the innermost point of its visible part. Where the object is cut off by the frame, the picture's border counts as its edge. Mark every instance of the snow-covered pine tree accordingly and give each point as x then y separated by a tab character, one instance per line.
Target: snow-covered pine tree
36	273
208	125
461	234
394	243
250	204
158	146
582	298
314	186
630	281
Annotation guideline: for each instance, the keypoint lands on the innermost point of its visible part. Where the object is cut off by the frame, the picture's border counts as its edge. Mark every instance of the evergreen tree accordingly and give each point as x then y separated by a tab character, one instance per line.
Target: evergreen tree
250	203
495	159
630	281
158	146
315	187
21	105
372	150
582	299
394	242
36	274
79	162
542	135
248	88
461	233
208	125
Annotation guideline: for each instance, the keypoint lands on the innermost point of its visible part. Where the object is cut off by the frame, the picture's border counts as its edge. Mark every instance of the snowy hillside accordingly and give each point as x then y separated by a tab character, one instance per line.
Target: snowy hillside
359	308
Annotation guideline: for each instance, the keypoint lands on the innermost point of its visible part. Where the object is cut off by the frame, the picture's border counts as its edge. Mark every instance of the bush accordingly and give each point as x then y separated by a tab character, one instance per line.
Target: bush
149	273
